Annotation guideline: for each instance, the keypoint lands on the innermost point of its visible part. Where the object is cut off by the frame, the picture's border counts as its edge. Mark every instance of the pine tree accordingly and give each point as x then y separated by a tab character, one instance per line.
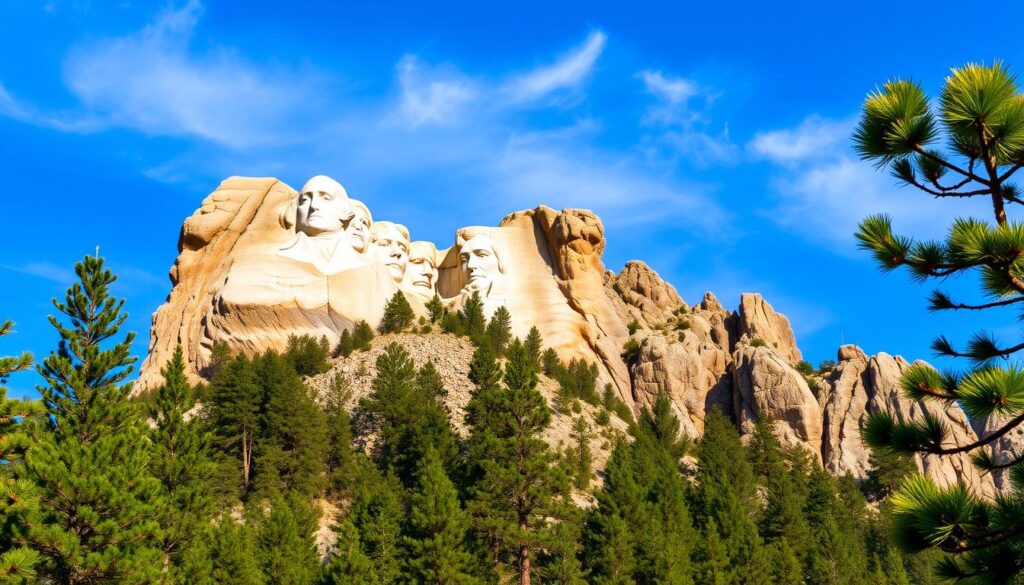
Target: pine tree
345	346
724	502
835	554
180	460
291	449
362	335
499	330
559	562
376	514
307	354
609	540
16	562
582	467
788	568
887	469
95	501
225	553
349	564
978	119
534	346
782	516
670	538
233	418
520	489
285	543
471	317
398	314
407	412
435	540
716	566
550	364
220	354
341	457
436	309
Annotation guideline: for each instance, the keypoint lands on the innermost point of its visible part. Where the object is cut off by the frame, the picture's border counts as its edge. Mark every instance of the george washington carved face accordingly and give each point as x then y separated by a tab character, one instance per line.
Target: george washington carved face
322	207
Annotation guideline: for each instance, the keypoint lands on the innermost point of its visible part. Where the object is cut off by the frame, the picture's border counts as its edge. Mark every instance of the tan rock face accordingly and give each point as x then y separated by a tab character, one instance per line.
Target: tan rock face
860	386
766	386
259	262
758	320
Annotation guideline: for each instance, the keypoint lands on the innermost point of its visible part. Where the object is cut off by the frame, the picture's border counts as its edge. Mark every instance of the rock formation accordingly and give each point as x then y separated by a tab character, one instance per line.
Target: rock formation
259	262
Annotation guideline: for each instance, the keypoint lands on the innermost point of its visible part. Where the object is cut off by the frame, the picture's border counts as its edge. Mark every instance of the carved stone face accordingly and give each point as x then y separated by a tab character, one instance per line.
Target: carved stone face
358	229
422	271
479	262
390	246
323	207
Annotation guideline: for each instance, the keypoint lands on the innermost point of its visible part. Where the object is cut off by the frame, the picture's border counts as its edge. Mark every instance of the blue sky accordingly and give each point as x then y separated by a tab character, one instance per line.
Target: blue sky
713	142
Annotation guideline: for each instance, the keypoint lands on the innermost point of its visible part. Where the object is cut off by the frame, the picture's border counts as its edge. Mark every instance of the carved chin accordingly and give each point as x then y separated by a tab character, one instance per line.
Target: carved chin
479	283
396	272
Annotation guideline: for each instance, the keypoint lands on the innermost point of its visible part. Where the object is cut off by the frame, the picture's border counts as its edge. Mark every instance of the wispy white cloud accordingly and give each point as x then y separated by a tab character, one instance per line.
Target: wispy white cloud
823	192
565	74
244	117
681	123
673	95
434	95
45	270
22	111
814	138
152	81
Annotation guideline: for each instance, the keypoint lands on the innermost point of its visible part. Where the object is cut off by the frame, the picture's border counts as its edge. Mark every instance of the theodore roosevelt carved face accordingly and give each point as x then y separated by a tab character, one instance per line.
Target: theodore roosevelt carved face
358	228
322	207
389	244
421	274
480	263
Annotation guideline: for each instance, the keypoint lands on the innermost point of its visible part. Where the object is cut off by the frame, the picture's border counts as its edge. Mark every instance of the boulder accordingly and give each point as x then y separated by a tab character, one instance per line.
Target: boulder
765	386
860	386
758	320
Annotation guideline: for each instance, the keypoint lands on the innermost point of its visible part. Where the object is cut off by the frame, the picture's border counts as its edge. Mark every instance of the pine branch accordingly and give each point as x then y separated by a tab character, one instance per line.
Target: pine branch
940	301
969	174
941	193
986	461
980	442
1010	171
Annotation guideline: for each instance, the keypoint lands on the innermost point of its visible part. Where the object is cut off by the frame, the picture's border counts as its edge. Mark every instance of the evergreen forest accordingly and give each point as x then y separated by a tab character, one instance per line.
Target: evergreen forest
254	478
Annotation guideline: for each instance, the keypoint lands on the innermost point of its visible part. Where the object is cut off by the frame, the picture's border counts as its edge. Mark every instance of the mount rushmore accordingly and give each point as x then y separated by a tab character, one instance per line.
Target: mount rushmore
259	262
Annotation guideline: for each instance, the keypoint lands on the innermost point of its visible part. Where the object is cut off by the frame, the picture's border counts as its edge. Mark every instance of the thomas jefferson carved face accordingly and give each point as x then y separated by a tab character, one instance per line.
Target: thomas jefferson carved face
389	244
358	228
322	208
479	262
422	272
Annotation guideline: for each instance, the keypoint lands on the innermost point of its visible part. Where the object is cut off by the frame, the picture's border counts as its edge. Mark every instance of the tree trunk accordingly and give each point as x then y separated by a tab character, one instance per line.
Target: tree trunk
246	458
524	565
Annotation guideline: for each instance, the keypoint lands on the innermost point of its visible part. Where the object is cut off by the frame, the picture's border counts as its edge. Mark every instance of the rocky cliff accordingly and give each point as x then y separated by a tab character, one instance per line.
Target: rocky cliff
259	261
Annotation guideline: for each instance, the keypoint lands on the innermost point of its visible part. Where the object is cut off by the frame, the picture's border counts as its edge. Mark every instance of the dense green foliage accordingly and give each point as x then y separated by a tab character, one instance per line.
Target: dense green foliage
16	562
234	489
398	314
308	355
180	461
979	119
